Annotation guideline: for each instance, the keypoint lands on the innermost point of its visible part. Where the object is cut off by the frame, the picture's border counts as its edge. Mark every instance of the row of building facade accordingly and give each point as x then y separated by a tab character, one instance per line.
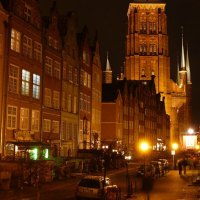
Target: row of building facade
51	87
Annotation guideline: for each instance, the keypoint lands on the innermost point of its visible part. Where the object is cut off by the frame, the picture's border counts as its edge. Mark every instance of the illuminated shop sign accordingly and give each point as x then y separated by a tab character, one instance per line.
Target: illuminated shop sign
24	135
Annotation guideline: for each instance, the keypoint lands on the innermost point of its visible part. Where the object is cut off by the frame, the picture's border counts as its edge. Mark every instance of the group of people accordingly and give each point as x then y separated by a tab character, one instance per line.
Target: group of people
182	163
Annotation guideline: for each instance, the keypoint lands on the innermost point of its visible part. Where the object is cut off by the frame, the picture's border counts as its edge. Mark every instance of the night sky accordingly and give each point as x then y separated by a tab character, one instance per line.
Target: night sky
109	18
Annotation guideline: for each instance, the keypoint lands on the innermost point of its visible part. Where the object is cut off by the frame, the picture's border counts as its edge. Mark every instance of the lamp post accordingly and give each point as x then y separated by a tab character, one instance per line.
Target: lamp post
144	146
173	152
128	181
105	148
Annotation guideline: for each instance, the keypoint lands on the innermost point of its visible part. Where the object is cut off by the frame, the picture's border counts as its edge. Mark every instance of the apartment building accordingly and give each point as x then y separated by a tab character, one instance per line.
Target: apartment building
70	88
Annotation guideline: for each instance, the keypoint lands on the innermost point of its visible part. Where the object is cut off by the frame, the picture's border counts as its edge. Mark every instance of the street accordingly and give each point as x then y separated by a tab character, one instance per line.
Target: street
171	186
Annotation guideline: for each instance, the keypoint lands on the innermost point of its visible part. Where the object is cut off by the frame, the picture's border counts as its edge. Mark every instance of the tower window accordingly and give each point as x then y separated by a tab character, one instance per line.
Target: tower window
143	49
143	27
152	27
143	73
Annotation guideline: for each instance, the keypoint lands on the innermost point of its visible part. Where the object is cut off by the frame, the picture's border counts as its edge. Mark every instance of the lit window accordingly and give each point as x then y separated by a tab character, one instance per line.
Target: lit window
154	26
85	78
47	96
63	130
89	81
15	40
38	51
75	76
69	103
36	86
84	56
35	120
56	99
50	41
25	82
27	46
24	118
13	79
63	101
55	126
75	105
57	70
56	44
46	125
27	13
81	101
12	117
48	66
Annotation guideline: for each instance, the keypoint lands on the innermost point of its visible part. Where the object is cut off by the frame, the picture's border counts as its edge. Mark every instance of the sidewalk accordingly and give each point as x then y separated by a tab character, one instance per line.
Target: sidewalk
172	186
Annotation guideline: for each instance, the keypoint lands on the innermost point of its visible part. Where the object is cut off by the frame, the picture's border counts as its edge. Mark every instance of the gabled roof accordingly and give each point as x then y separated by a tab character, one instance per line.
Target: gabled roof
110	90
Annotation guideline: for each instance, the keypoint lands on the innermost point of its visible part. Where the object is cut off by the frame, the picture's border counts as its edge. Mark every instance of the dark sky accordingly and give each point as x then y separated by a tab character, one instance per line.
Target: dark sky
109	18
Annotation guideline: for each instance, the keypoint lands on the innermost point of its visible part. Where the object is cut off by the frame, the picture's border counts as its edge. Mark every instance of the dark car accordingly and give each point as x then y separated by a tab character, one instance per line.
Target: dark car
158	168
149	170
165	164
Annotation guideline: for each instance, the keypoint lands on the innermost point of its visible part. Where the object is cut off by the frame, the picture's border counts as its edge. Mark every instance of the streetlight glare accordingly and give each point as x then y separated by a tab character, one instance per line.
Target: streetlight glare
175	146
144	146
190	131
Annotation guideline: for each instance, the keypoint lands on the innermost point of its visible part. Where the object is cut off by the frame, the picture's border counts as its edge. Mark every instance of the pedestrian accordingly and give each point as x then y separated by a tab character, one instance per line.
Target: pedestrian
184	163
180	167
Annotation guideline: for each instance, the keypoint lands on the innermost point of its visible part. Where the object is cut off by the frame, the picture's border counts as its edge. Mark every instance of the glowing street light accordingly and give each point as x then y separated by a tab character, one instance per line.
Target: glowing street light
190	131
173	152
175	146
144	147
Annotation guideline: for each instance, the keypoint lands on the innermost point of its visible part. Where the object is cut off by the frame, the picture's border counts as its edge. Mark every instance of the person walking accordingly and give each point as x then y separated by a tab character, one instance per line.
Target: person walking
180	167
184	163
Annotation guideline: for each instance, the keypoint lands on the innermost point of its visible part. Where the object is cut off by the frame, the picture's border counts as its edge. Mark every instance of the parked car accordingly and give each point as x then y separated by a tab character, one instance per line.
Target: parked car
149	170
165	164
94	187
158	168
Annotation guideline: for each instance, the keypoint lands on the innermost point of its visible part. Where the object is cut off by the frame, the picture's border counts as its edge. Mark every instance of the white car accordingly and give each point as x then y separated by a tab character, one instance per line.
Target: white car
93	187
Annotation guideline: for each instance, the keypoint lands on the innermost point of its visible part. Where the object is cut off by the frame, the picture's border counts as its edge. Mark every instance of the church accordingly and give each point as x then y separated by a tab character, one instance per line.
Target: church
147	54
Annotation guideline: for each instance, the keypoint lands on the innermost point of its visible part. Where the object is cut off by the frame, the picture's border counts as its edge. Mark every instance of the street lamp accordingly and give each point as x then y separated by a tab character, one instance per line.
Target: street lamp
144	146
173	152
105	148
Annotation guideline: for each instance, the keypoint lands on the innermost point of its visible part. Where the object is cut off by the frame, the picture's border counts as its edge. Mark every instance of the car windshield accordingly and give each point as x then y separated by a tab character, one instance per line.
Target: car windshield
89	183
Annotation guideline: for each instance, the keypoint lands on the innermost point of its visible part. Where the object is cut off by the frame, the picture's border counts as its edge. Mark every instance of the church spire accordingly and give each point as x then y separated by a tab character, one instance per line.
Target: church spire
107	74
108	67
178	76
182	53
188	68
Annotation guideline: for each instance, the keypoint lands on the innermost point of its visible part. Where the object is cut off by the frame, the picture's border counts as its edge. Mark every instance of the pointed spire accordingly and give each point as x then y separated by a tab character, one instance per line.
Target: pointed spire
108	67
188	68
178	68
182	53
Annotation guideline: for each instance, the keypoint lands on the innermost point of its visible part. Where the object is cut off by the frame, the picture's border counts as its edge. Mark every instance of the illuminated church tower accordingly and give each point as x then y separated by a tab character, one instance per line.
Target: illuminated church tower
107	74
147	54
